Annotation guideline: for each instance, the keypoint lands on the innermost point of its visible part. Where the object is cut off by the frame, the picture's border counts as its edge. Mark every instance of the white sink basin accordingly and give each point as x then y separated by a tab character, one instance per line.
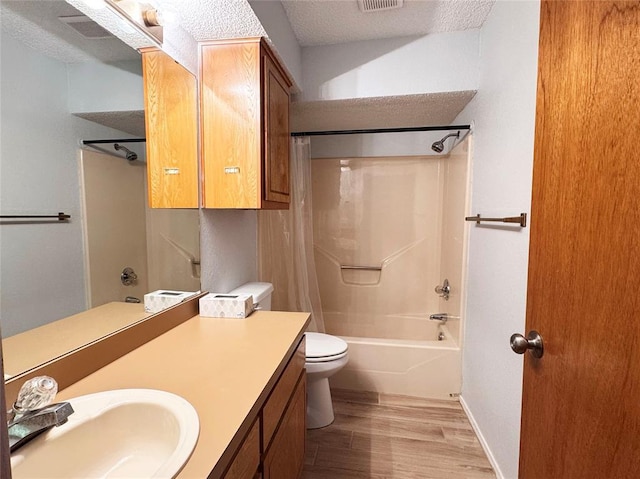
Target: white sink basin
126	433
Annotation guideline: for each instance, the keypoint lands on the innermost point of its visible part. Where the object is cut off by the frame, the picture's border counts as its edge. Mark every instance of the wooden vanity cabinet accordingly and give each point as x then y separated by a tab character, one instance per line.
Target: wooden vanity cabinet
244	121
276	449
285	456
171	123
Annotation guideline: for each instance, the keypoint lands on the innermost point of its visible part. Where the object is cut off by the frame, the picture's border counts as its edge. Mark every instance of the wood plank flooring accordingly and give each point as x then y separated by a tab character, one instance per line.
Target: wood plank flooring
383	436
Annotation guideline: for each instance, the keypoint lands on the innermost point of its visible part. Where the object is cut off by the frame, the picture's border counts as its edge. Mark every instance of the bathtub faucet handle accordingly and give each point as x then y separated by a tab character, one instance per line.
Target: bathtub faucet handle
439	317
445	290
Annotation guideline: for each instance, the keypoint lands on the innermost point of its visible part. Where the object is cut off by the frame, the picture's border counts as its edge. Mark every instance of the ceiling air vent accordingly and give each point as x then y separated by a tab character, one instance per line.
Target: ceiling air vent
85	27
378	5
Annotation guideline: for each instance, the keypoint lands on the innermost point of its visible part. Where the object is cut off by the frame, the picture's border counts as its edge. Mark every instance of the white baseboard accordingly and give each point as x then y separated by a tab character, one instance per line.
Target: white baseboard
481	439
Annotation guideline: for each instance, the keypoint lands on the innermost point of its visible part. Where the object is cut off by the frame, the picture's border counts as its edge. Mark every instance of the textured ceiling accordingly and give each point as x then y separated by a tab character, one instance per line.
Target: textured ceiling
323	22
314	22
379	112
215	19
36	24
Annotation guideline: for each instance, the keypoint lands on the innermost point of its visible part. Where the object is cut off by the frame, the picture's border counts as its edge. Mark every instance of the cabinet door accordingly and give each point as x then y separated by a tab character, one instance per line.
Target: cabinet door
277	133
230	116
245	464
285	457
171	123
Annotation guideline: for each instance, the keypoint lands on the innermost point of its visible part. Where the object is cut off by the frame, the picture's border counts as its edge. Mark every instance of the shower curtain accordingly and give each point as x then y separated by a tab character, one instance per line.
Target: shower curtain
285	244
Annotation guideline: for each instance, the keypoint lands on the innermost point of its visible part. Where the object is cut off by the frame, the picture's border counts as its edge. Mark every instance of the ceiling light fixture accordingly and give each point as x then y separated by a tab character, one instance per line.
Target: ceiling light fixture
142	16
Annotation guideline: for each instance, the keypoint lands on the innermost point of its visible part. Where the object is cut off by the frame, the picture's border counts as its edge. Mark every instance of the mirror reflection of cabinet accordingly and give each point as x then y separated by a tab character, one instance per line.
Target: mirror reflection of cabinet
171	120
244	107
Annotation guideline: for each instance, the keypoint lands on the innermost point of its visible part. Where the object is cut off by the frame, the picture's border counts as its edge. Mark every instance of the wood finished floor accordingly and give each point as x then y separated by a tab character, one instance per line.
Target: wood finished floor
383	436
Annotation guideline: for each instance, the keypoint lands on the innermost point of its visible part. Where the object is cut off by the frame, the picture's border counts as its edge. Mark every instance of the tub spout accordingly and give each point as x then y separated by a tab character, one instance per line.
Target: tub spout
439	317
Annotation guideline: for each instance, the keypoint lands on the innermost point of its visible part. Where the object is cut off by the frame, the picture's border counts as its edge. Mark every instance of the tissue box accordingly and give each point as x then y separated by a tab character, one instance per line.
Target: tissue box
164	298
216	305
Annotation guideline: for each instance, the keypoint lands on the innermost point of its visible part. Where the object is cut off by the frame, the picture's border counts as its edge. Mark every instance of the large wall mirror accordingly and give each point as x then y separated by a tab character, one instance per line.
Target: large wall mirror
63	80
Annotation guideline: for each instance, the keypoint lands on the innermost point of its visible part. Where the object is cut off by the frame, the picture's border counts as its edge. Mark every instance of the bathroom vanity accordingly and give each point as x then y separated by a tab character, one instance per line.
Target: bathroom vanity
246	380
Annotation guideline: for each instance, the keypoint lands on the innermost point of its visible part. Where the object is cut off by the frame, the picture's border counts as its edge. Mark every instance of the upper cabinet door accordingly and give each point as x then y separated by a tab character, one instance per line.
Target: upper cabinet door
277	132
244	111
171	121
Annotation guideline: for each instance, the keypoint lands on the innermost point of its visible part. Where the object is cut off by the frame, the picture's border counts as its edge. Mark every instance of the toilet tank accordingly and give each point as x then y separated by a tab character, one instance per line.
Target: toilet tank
261	293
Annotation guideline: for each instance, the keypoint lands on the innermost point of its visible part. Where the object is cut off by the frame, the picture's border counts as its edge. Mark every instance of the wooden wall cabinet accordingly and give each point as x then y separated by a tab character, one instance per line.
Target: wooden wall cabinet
244	121
171	122
276	449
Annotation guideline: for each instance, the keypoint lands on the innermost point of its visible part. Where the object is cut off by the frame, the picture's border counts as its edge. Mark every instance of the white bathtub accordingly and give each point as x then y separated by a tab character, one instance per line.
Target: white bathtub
423	368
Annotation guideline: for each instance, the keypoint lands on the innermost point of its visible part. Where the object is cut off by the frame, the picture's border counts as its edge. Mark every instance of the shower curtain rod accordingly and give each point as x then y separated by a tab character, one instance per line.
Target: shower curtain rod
381	130
117	140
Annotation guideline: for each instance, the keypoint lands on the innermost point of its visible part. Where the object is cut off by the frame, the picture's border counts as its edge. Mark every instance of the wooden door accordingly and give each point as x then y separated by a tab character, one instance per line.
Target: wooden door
581	400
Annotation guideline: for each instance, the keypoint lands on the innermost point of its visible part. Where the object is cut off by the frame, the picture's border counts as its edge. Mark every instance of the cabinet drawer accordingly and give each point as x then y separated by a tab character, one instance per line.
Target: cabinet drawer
277	402
245	464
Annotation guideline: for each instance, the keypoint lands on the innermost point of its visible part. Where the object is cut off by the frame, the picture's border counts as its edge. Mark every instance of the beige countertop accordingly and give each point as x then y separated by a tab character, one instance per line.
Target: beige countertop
223	367
29	349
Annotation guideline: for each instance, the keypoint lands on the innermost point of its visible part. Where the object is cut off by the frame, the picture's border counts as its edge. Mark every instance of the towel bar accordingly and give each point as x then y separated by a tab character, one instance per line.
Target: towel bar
59	217
521	220
362	268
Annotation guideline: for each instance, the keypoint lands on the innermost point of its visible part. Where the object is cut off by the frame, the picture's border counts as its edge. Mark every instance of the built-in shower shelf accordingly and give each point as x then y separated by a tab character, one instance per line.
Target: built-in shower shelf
361	275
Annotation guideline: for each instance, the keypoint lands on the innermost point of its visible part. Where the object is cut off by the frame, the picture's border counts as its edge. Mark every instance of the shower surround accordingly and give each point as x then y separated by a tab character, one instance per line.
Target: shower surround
402	219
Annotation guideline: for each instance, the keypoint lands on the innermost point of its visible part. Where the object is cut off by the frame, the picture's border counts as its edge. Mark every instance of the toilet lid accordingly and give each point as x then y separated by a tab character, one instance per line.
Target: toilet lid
324	345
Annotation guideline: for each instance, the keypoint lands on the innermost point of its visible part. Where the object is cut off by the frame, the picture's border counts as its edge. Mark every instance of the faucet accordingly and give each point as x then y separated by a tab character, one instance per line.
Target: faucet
32	423
32	413
439	317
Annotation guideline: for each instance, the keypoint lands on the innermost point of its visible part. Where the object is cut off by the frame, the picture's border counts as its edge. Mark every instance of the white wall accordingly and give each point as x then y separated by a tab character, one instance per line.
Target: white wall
228	249
41	265
504	113
398	66
382	144
98	86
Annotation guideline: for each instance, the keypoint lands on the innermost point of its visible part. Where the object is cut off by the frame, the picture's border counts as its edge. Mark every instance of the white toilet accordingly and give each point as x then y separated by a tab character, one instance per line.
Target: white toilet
261	293
326	355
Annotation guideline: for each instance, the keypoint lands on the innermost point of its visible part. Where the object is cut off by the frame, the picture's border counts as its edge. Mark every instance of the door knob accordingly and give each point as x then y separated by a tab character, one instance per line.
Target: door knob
532	343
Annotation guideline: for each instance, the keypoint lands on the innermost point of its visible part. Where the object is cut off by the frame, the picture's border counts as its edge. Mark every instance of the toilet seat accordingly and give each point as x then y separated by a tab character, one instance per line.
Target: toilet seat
324	348
326	359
